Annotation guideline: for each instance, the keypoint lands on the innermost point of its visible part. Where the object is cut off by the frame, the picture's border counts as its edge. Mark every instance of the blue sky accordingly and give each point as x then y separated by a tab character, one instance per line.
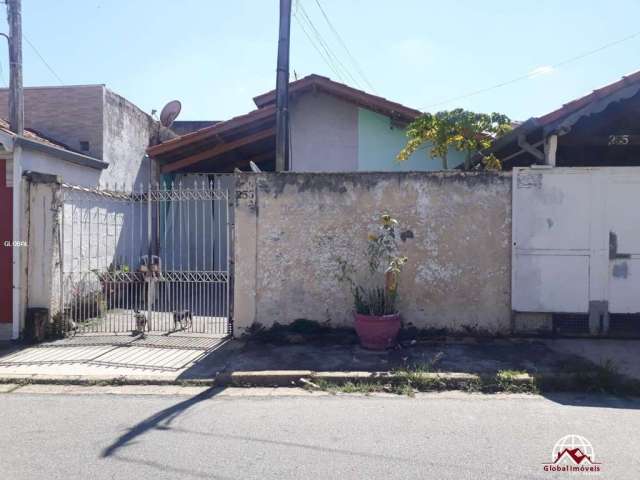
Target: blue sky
215	55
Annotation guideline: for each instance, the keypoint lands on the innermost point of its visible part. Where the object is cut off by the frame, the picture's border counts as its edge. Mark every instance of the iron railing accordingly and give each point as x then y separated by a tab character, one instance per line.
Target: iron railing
148	260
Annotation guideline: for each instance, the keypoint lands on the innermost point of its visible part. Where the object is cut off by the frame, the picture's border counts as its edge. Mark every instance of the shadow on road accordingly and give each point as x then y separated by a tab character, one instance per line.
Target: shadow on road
160	420
593	400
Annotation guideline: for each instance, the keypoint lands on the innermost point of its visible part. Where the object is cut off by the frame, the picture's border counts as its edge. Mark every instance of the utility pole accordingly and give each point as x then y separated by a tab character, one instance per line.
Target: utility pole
16	96
16	121
282	89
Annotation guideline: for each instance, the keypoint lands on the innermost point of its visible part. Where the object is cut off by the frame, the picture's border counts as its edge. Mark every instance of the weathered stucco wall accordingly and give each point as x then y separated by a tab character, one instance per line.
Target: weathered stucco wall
43	286
127	133
324	134
291	227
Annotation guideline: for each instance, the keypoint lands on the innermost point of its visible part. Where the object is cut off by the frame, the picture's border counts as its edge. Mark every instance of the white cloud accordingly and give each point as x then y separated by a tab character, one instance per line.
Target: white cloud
542	70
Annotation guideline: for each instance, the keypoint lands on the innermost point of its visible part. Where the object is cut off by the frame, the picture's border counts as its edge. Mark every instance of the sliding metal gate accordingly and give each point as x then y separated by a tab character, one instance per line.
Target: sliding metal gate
154	260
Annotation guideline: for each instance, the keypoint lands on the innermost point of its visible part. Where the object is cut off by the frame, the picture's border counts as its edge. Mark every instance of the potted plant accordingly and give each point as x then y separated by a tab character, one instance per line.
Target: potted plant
375	290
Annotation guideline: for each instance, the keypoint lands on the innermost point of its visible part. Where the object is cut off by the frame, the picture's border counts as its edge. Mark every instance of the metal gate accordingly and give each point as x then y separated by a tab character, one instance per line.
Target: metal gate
153	260
576	243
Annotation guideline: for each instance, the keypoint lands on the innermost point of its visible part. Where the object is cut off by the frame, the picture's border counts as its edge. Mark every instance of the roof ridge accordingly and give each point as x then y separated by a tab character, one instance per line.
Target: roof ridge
309	81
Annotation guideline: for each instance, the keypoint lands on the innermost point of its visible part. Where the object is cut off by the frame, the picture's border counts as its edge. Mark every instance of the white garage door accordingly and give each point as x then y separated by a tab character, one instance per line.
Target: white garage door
576	239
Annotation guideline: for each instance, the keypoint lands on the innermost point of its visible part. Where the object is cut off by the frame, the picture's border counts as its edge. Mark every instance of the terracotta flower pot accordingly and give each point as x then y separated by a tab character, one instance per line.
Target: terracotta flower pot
377	332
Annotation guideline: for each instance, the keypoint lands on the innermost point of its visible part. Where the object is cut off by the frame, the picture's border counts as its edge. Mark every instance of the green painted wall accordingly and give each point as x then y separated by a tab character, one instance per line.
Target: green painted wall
379	142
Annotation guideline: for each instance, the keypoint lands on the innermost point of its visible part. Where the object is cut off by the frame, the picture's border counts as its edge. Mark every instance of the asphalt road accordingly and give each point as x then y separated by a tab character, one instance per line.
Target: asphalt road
211	436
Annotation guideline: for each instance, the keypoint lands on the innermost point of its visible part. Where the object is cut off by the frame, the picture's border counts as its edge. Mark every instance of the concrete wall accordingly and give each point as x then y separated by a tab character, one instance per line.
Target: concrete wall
118	132
127	133
324	134
68	114
39	257
379	141
291	227
43	251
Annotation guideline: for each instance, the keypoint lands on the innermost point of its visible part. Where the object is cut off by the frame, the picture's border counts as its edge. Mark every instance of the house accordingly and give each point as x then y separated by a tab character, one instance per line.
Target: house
576	240
85	135
36	153
93	121
332	128
598	129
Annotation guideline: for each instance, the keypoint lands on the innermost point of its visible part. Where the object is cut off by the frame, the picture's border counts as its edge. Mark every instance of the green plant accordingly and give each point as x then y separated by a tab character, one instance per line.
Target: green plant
585	376
87	305
460	129
375	291
513	381
115	284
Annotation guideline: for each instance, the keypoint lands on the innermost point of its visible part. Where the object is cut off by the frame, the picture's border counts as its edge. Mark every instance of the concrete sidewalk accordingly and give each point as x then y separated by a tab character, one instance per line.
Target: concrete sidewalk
625	354
196	359
154	358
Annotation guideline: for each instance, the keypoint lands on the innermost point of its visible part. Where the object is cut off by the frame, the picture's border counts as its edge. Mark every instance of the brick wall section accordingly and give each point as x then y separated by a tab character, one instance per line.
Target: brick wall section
68	114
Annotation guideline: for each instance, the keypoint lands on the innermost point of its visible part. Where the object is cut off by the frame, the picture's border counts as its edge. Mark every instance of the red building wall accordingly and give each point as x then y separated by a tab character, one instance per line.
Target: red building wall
6	251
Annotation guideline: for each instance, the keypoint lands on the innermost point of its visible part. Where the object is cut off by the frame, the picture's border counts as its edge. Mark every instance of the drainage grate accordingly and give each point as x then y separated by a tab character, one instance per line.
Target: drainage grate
571	323
624	324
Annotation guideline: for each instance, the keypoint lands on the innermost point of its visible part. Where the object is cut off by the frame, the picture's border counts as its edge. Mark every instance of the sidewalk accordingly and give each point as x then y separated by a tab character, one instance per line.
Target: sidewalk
175	360
154	359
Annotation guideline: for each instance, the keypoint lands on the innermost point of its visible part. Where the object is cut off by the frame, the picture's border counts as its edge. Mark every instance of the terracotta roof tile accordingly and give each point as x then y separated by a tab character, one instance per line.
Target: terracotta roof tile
266	108
32	135
578	103
213	130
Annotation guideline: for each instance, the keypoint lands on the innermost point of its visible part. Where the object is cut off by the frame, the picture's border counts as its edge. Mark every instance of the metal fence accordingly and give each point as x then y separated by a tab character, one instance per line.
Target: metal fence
151	260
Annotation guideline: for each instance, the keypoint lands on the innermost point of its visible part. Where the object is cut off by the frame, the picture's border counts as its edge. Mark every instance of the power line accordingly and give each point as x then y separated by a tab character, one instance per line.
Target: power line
332	56
43	60
534	73
336	65
317	49
346	49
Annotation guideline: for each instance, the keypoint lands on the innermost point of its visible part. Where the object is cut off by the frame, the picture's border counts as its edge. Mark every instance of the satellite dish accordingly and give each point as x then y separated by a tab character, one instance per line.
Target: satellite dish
170	112
254	168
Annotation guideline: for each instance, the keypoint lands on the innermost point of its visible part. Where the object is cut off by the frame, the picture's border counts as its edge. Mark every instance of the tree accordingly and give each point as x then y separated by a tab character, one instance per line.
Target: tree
461	129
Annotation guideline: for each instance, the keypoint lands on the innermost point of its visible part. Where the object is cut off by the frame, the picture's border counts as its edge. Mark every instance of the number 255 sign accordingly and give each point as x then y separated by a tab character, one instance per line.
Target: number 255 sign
619	140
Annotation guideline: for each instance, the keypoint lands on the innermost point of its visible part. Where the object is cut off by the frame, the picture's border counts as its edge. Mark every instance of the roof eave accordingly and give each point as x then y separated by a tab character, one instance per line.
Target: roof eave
170	146
66	155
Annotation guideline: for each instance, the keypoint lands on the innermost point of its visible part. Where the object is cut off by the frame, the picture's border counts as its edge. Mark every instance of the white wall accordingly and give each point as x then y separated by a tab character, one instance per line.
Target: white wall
71	173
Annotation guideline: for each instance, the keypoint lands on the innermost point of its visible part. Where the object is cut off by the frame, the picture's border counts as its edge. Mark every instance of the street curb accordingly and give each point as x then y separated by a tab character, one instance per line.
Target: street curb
265	378
23	379
428	381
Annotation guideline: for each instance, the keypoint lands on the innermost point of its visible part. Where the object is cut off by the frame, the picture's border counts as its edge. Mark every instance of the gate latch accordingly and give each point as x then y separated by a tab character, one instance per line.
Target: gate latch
613	248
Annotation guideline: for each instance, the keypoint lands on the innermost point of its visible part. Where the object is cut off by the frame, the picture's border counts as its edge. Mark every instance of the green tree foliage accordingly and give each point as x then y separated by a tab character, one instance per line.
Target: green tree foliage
461	129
